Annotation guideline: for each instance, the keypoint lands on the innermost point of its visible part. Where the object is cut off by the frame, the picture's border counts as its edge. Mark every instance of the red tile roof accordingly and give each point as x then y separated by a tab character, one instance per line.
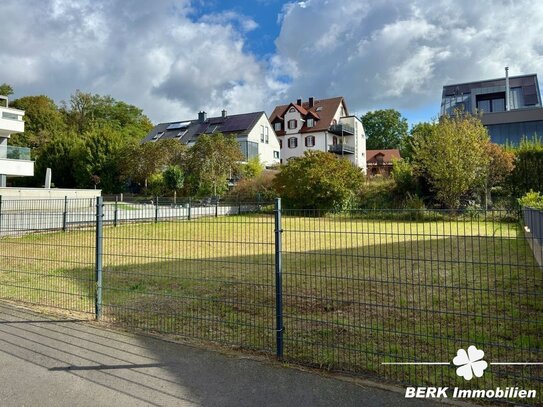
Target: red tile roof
323	117
388	155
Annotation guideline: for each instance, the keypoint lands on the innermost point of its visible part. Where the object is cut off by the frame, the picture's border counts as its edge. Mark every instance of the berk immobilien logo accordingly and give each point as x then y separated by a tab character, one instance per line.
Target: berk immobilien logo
469	363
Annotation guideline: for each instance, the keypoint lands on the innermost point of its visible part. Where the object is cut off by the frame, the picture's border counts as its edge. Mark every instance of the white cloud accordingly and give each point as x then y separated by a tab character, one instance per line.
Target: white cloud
399	54
154	56
376	53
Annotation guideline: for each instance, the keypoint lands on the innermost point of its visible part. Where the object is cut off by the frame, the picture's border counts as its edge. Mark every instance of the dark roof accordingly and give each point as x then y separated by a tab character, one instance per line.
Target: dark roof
238	124
323	117
388	155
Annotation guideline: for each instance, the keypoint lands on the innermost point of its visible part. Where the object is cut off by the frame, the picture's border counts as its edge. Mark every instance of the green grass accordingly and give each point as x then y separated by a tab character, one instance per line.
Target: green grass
357	292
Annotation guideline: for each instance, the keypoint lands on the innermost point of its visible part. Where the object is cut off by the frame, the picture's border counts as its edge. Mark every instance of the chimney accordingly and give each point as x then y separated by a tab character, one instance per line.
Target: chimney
299	102
507	89
202	117
311	102
223	113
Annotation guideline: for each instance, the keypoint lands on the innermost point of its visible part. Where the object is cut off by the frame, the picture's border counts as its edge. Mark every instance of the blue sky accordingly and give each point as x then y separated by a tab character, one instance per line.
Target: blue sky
265	13
174	58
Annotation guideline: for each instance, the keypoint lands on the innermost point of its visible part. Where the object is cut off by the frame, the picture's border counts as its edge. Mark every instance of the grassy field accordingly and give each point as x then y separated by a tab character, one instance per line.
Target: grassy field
356	292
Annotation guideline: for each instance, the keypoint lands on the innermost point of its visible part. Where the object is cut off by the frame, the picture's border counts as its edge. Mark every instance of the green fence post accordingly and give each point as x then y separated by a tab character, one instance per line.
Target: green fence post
156	209
99	254
65	213
115	212
190	206
278	281
216	208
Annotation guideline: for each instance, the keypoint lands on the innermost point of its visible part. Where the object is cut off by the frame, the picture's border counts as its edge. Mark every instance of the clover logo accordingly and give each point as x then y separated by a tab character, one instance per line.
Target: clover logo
470	363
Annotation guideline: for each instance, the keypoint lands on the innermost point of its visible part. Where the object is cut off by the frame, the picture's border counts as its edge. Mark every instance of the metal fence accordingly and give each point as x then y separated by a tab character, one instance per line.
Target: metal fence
381	293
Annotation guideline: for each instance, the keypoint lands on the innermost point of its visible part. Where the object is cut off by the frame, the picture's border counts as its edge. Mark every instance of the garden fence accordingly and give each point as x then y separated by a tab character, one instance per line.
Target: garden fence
379	293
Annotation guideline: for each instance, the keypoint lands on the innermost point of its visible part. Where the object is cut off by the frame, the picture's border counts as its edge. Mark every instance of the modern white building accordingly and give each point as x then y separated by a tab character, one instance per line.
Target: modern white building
323	125
252	131
14	161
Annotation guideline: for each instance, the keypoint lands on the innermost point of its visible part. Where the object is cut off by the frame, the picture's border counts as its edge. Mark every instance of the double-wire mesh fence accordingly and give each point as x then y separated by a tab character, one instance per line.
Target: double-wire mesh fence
382	293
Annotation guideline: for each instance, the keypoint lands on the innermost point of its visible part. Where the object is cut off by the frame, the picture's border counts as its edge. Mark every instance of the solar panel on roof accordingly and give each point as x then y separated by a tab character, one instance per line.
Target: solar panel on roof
178	125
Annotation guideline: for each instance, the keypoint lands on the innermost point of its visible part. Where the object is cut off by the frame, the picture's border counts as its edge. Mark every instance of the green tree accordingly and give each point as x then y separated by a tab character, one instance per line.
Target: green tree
85	111
500	166
6	90
98	156
138	161
174	178
212	160
452	157
59	155
43	121
320	181
384	129
253	168
526	175
157	184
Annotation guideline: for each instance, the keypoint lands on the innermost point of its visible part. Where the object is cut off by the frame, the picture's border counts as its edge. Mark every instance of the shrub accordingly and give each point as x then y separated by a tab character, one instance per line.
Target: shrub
320	181
404	177
378	194
532	199
156	185
257	189
526	175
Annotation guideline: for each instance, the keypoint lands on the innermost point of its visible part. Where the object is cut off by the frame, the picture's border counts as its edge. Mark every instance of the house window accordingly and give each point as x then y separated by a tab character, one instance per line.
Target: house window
292	142
310	122
280	143
319	109
277	126
292	124
157	136
261	134
292	110
276	154
310	141
334	140
266	135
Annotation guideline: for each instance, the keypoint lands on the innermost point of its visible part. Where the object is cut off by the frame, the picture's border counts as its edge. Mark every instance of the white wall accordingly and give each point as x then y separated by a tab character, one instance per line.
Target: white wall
323	139
48	193
16	168
265	150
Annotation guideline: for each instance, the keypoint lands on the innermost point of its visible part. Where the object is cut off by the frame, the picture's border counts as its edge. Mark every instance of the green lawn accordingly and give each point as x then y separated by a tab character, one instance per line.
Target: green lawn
357	292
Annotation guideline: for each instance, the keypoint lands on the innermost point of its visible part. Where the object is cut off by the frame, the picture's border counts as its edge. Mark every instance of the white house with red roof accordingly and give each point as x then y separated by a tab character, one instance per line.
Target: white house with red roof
323	125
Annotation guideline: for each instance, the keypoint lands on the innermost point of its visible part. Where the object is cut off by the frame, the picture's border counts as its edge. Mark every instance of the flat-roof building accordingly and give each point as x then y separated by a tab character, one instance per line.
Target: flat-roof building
510	107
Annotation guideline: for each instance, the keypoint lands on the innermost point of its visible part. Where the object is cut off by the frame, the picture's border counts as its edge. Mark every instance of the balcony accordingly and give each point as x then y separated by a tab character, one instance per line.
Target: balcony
341	149
15	161
11	121
341	129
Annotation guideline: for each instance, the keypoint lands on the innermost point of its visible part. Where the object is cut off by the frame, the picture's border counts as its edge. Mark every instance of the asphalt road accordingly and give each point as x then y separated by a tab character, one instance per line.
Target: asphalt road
47	361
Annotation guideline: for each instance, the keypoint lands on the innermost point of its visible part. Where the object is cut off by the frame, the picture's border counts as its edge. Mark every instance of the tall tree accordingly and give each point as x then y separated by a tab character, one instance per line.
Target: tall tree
86	111
6	90
59	155
42	121
211	161
384	129
139	161
452	157
98	158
